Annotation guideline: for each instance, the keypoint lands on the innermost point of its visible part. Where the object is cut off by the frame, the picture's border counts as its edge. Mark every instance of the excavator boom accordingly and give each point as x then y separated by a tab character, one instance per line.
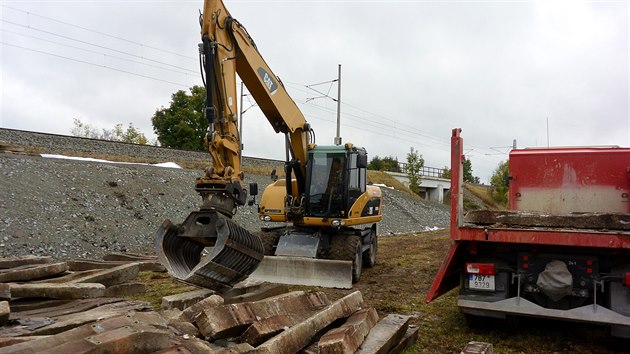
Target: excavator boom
323	194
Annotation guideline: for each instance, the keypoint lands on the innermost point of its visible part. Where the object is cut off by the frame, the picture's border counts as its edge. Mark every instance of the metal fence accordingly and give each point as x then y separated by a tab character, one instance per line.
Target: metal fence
425	170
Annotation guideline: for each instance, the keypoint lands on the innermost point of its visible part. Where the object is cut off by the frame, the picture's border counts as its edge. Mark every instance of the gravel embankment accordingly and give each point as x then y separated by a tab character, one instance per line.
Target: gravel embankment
68	209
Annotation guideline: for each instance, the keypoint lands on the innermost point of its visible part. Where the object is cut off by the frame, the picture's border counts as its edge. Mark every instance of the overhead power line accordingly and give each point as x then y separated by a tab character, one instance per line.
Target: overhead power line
95	45
94	64
100	33
95	52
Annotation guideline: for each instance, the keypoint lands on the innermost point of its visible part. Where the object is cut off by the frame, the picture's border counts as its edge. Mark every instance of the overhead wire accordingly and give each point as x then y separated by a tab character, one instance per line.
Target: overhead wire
94	51
94	64
98	32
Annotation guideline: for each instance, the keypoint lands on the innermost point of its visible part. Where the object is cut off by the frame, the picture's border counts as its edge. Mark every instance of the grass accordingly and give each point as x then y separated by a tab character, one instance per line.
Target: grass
381	177
485	194
399	282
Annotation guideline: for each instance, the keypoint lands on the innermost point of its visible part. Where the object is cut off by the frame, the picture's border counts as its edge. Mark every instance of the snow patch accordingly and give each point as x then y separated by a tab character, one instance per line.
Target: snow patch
89	159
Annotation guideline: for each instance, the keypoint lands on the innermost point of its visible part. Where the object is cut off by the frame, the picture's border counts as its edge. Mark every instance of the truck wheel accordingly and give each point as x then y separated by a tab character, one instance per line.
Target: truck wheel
348	248
369	257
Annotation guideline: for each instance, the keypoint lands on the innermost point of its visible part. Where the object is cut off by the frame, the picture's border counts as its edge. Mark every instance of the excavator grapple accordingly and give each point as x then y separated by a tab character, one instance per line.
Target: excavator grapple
208	250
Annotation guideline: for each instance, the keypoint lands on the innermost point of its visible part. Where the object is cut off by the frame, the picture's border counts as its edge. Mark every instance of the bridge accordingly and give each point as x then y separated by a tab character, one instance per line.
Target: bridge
434	183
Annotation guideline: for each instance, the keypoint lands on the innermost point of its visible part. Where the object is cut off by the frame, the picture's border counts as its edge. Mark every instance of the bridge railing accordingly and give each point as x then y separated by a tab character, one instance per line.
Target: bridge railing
425	170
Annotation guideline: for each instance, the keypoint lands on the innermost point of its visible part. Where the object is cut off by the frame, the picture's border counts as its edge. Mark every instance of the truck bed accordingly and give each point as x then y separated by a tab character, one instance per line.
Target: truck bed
527	219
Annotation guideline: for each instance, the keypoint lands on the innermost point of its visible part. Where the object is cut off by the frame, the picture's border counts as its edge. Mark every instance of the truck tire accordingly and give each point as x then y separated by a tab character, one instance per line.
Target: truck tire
370	256
348	248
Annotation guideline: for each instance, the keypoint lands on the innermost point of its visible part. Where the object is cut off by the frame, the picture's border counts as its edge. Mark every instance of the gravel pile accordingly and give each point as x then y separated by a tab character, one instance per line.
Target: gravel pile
68	209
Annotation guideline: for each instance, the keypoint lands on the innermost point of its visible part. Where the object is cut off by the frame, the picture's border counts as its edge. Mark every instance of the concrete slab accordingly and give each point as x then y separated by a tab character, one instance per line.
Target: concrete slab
184	300
348	337
385	335
300	335
233	319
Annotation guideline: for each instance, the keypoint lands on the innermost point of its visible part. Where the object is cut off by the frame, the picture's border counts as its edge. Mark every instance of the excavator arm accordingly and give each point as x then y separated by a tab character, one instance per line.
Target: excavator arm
228	49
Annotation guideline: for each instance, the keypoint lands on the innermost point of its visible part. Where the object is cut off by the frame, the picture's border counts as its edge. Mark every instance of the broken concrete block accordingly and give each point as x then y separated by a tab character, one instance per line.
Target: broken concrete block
385	335
300	335
126	289
184	300
478	348
348	337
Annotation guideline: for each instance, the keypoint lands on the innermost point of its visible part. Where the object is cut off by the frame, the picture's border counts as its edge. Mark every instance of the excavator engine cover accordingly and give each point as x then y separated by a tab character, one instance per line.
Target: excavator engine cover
235	253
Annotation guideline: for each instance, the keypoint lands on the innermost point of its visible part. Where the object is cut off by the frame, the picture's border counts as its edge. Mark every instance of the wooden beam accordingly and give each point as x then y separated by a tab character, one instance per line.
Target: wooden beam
348	337
184	300
385	335
58	291
232	320
113	276
299	336
31	272
12	262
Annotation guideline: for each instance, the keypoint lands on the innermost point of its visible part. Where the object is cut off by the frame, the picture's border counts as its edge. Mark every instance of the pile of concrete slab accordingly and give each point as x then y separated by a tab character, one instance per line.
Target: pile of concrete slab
75	307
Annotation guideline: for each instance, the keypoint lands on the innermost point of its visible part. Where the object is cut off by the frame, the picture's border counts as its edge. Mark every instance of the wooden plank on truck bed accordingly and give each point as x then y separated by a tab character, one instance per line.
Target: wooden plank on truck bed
590	221
32	271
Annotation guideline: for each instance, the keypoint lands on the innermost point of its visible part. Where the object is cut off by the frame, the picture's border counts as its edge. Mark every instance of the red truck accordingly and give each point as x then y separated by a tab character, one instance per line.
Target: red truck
562	251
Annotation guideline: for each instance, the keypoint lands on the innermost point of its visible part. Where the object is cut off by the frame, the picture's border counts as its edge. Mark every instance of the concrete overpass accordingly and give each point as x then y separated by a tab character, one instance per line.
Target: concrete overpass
431	187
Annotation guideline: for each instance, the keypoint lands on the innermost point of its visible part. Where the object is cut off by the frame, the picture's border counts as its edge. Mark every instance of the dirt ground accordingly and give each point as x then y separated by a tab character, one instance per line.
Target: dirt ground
399	282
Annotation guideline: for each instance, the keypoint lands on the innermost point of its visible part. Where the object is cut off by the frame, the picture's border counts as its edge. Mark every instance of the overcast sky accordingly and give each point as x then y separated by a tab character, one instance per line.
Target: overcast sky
411	70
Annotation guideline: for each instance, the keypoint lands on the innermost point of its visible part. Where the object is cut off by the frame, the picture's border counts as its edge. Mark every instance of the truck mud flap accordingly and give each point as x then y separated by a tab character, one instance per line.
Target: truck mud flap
326	273
235	254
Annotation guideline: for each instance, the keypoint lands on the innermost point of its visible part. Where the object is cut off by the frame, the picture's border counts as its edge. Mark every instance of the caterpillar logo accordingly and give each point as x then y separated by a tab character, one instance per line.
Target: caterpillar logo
271	84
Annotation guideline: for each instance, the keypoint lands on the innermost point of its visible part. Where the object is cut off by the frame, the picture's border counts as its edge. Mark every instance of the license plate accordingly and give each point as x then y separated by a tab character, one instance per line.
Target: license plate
481	282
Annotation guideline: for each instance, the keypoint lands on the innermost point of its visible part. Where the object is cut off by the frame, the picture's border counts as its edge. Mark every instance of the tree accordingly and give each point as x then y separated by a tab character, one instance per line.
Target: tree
500	180
84	130
182	125
131	135
414	163
446	172
384	164
468	176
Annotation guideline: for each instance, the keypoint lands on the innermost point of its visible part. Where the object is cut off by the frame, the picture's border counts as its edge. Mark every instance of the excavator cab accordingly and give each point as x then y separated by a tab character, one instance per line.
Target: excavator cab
336	177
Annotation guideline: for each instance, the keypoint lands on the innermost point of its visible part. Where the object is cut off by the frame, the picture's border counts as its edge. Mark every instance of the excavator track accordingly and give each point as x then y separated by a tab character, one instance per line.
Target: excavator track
235	252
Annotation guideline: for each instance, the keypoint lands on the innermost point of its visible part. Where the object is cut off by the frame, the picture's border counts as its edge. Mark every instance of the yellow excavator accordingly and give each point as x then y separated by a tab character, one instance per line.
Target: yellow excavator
328	212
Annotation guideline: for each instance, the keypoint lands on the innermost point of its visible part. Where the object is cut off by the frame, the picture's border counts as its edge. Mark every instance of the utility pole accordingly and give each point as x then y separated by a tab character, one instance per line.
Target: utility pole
338	137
